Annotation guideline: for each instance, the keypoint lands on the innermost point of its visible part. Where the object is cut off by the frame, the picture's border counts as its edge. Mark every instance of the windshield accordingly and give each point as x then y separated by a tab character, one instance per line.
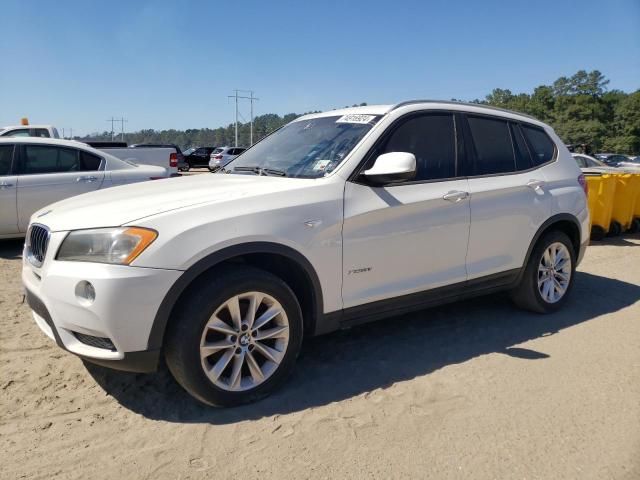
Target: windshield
189	151
305	149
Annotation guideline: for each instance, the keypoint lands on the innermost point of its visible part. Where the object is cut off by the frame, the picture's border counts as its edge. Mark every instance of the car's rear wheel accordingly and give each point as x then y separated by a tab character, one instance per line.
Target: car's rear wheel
236	337
548	276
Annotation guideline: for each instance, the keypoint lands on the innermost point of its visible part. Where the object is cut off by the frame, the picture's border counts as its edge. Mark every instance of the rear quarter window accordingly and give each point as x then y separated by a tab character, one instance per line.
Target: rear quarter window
541	146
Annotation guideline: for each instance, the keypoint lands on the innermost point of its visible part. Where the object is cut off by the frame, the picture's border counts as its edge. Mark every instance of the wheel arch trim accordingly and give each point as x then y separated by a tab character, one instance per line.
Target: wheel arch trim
163	314
560	217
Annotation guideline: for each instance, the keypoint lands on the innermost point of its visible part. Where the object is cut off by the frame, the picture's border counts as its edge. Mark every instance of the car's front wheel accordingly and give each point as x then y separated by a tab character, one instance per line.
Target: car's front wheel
548	276
236	337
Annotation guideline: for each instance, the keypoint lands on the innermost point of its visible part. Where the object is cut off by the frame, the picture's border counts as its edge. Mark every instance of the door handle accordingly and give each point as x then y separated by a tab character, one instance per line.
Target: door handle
87	179
535	184
4	185
455	196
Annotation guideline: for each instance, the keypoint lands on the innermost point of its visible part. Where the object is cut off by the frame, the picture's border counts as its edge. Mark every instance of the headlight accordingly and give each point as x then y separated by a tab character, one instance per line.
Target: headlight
118	246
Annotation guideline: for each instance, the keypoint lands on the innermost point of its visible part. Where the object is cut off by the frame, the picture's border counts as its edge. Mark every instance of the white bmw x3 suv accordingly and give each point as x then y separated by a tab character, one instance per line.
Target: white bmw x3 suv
336	219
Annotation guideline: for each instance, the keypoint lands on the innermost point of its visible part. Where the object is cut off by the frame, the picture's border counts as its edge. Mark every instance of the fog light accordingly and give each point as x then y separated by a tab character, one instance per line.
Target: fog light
85	293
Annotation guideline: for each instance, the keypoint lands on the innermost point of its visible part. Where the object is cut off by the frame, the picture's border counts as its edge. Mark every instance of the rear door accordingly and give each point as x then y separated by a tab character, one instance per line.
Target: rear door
508	197
8	181
49	173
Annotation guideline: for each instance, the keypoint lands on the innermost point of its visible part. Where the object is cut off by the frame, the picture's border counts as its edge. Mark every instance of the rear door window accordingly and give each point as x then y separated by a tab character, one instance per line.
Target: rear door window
493	148
89	162
541	146
6	156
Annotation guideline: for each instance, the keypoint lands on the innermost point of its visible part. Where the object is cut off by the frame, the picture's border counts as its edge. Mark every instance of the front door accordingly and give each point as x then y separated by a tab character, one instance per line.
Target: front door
409	237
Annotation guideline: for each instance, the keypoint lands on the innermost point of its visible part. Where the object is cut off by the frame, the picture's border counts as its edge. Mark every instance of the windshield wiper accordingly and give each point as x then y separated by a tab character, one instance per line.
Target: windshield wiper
262	171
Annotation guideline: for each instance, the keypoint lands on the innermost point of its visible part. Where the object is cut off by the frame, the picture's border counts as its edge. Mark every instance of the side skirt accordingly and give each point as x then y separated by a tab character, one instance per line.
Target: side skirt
370	312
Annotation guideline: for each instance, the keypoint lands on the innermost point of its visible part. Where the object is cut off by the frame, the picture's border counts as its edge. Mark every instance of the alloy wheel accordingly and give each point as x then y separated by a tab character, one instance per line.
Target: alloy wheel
244	341
554	272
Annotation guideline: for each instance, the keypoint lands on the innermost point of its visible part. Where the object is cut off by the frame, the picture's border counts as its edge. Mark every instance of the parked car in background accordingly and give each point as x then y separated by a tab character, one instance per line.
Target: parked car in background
221	156
336	219
631	164
197	157
35	172
182	164
589	164
43	131
611	159
104	144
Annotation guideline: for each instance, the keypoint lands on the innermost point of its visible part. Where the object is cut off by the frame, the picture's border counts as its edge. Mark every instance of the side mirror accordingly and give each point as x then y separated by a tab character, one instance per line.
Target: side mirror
392	167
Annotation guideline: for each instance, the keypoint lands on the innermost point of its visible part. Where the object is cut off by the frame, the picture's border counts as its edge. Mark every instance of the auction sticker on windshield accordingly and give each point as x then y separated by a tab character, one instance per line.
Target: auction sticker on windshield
355	118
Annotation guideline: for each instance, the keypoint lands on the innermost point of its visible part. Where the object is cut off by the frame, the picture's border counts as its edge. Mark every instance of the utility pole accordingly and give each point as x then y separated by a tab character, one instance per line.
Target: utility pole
122	121
71	133
251	99
112	120
236	122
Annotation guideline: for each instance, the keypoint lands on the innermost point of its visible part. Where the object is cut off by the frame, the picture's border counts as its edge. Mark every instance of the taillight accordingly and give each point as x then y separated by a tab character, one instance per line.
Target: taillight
218	157
583	183
173	160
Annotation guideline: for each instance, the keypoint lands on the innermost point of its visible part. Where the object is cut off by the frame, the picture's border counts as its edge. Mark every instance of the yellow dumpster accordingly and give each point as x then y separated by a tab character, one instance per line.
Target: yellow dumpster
601	194
635	224
624	200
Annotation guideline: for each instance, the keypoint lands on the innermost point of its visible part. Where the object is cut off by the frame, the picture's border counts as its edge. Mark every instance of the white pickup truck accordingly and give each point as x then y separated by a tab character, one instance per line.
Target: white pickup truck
162	157
42	131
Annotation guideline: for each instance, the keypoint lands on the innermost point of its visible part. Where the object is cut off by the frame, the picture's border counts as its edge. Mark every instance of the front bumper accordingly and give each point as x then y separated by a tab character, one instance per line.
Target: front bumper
122	314
144	361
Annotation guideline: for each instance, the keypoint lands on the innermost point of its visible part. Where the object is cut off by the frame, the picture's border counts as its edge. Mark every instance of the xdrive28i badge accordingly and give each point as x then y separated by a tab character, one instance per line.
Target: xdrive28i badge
359	270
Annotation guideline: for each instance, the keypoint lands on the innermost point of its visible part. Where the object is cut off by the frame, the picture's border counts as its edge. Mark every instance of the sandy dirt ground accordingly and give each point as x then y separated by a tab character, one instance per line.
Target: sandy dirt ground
475	390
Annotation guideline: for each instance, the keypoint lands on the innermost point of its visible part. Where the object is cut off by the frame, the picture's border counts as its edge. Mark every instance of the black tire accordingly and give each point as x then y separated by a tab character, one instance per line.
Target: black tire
635	226
597	233
183	335
527	295
615	229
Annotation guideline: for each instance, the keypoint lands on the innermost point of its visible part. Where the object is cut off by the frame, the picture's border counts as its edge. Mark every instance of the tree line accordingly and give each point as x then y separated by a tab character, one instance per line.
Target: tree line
580	108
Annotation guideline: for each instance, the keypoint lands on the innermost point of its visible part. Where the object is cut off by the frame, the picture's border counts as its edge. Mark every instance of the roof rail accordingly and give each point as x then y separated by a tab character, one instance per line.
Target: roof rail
465	104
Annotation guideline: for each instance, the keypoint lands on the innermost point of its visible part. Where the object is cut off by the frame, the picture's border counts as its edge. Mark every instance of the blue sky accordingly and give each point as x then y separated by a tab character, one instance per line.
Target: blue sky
172	64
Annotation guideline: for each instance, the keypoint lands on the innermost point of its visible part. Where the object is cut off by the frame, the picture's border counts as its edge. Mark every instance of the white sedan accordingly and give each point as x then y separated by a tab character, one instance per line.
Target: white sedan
35	172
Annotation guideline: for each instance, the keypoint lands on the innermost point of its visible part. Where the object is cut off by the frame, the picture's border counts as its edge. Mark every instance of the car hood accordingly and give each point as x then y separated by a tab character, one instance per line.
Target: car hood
122	205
